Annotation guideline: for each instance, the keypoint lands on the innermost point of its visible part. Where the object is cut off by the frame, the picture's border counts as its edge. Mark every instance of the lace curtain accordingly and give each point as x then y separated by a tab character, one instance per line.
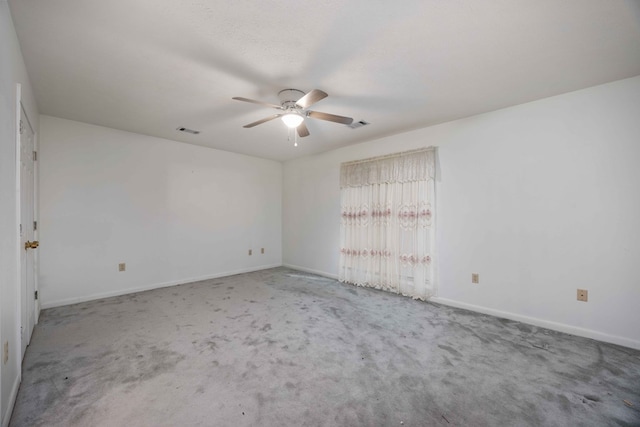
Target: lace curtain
386	229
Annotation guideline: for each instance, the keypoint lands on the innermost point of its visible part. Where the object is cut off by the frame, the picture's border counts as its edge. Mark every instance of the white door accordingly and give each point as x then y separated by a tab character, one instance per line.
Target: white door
27	233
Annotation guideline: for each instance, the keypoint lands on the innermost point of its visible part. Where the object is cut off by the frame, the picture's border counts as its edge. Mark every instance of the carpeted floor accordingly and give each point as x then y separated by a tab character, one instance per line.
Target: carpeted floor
282	348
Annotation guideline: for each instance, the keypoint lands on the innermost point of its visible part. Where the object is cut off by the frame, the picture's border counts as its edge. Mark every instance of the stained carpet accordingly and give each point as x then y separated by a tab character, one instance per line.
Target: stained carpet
282	348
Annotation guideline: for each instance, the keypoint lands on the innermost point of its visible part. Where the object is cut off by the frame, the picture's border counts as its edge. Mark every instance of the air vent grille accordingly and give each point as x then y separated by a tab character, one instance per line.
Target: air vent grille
358	124
187	130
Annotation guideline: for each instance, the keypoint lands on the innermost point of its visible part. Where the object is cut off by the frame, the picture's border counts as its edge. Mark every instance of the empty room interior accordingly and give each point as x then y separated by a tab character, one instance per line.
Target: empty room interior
329	213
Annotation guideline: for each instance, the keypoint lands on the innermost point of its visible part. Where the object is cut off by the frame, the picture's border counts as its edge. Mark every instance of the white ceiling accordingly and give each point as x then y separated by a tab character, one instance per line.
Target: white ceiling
150	66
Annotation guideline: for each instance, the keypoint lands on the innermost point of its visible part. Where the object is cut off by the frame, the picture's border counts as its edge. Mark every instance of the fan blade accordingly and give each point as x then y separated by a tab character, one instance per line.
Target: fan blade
330	117
253	101
259	122
302	130
311	98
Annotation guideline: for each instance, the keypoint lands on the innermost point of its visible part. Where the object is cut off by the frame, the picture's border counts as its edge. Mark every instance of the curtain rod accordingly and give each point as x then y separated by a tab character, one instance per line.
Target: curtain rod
388	156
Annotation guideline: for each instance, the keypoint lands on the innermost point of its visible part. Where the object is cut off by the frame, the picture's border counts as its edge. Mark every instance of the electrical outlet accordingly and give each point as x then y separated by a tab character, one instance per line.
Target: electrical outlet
262	250
5	352
475	278
583	295
122	266
250	251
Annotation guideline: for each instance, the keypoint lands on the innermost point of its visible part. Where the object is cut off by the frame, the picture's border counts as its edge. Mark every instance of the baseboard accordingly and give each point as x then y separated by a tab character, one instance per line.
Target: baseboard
76	300
12	401
310	270
560	327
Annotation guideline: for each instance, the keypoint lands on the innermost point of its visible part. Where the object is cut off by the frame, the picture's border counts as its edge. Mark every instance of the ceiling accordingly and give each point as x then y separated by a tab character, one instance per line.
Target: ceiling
151	66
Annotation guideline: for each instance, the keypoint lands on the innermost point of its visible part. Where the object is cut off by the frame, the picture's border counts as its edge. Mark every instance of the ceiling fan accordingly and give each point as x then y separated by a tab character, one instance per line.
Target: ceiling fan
293	107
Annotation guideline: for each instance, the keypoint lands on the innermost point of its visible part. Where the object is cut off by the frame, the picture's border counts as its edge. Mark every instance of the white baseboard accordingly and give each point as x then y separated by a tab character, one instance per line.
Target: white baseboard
76	300
561	327
310	270
6	417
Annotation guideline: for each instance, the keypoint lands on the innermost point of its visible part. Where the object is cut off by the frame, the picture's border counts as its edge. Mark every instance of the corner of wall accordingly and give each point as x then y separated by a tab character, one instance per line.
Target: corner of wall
6	417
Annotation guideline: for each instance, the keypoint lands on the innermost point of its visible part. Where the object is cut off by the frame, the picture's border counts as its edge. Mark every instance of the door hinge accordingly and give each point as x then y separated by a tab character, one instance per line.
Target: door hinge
21	229
36	294
35	225
35	156
21	127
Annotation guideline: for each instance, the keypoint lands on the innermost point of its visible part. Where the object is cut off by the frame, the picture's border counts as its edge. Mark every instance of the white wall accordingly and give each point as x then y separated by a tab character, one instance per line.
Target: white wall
172	212
539	199
12	72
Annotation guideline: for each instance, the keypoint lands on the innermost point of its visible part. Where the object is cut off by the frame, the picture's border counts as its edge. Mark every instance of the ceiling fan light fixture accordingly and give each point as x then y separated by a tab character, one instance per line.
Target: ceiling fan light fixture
292	120
293	110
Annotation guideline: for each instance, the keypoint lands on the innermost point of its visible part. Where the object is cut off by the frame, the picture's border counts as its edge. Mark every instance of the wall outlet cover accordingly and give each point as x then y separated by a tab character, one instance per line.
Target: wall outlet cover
475	278
122	266
583	295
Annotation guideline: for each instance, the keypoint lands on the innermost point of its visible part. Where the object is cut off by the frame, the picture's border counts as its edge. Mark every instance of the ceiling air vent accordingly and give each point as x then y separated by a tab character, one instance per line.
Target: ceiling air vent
358	124
187	130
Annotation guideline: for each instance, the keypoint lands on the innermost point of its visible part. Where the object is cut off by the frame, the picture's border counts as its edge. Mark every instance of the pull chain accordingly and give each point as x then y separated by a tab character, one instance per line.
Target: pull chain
295	136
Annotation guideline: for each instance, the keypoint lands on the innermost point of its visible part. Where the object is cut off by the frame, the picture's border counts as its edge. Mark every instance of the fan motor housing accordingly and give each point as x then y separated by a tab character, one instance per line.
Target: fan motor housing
289	97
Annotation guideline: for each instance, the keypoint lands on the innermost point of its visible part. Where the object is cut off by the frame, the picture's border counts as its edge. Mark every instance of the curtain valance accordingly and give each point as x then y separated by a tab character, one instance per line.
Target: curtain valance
410	166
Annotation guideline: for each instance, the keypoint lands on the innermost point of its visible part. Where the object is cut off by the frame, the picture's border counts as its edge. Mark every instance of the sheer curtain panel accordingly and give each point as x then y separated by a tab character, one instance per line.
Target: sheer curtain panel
386	231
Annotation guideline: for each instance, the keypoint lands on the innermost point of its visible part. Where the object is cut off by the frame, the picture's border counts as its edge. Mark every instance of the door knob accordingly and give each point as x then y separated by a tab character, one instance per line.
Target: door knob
31	245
